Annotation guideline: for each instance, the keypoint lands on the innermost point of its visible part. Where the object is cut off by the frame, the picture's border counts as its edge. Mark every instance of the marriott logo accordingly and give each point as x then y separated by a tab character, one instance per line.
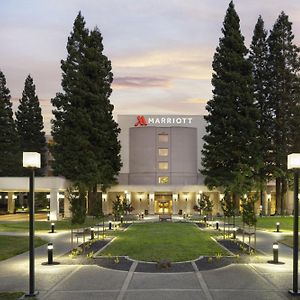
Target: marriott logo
142	121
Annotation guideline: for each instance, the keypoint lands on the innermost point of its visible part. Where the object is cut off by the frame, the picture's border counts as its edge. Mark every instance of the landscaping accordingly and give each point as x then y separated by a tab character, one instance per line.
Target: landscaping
14	245
156	241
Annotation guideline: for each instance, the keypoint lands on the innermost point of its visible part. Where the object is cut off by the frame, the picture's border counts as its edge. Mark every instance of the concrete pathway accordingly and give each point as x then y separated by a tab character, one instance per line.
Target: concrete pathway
249	281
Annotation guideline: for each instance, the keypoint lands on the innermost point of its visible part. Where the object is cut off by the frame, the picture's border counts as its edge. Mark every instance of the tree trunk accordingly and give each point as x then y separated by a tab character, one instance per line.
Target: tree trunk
278	195
283	197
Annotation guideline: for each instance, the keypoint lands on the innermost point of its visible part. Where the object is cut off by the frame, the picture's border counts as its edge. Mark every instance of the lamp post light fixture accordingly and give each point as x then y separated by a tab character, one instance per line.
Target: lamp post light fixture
32	161
293	163
277	226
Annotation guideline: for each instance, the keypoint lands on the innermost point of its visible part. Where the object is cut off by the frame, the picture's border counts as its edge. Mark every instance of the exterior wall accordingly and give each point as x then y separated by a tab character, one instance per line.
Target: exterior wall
144	159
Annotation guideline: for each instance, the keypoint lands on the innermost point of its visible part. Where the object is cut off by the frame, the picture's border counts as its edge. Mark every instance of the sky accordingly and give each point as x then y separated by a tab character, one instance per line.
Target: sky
161	51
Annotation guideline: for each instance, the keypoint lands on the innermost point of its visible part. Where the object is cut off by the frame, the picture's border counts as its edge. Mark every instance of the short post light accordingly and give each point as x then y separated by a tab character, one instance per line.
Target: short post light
234	232
48	217
52	228
32	161
277	226
275	253
293	163
50	253
205	220
217	225
92	233
122	219
269	198
109	225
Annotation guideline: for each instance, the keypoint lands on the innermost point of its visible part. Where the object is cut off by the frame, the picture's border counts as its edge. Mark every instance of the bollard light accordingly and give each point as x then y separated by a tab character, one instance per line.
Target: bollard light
275	253
52	228
142	216
92	233
234	232
48	217
277	227
217	225
205	219
50	253
109	225
121	219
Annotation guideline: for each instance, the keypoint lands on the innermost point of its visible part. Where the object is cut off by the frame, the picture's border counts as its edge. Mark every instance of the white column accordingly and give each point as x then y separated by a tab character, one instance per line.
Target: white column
175	204
151	203
11	203
54	205
67	206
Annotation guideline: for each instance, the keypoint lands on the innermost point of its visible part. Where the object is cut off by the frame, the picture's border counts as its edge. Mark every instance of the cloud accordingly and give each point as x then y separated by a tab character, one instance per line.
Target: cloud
140	82
195	100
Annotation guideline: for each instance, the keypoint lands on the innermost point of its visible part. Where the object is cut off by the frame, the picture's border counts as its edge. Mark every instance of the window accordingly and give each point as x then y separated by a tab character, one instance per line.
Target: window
163	180
163	138
163	165
163	152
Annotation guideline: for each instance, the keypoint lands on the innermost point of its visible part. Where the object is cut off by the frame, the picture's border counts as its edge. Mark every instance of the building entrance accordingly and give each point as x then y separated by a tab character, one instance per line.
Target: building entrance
163	204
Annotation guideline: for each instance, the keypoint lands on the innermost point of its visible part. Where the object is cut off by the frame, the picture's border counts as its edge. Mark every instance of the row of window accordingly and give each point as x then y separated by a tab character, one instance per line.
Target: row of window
163	152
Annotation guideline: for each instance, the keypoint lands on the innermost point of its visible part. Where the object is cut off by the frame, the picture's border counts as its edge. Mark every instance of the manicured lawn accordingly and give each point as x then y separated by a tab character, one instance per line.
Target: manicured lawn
14	245
11	296
21	226
155	241
269	223
288	241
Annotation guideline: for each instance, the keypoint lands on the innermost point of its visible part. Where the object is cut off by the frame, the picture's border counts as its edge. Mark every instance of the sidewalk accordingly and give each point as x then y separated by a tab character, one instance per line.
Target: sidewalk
252	281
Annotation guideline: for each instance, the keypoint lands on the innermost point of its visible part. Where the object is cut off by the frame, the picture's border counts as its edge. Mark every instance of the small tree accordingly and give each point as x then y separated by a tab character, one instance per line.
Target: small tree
228	207
77	198
208	206
118	208
202	202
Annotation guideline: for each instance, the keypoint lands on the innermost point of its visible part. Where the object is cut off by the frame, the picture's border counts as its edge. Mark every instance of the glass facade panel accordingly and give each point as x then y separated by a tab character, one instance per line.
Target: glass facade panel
163	152
163	138
163	179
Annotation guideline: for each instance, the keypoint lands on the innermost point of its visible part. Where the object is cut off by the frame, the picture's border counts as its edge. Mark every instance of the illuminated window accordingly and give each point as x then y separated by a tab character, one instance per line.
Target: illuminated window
163	180
163	165
163	152
163	138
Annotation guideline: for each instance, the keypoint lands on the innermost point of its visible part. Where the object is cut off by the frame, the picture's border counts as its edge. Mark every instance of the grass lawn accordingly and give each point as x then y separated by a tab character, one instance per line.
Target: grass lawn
155	241
288	241
269	223
11	296
21	226
14	245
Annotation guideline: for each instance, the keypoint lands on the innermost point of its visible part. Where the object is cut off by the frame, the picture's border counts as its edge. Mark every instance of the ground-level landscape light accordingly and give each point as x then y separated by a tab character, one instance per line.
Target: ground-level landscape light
205	219
121	219
48	217
109	225
52	228
217	225
92	233
50	254
275	253
234	232
277	227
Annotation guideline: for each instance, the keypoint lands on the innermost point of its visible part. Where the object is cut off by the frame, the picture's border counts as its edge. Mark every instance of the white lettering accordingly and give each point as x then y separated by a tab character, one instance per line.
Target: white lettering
190	120
183	119
178	120
162	120
168	120
150	120
157	121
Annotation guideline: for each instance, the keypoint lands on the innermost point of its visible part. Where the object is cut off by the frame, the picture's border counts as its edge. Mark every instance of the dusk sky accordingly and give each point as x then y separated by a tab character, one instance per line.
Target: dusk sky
161	51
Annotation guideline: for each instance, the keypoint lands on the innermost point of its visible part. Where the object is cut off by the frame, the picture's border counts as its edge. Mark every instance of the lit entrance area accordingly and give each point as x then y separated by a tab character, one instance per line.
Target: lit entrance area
163	204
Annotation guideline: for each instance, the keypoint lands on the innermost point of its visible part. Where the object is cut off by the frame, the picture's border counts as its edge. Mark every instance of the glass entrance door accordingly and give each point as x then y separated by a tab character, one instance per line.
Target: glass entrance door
163	204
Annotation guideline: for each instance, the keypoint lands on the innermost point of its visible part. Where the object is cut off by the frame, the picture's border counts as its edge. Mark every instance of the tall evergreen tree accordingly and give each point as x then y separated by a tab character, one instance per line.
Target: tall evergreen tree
86	148
30	123
10	155
259	60
230	150
284	99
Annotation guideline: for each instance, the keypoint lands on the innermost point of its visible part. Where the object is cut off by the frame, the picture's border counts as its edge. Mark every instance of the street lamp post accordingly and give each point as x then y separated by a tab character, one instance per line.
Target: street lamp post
31	160
294	164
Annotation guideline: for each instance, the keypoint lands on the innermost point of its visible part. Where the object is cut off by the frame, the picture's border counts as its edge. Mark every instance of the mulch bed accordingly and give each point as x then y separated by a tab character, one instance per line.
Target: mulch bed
174	268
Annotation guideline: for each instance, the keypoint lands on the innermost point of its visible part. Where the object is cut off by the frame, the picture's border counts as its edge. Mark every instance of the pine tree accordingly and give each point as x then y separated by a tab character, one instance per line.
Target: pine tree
10	155
29	121
284	99
86	148
230	150
259	60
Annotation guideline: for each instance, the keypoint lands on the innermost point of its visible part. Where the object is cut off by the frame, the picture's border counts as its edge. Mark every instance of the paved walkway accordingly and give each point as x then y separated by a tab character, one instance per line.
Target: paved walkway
249	281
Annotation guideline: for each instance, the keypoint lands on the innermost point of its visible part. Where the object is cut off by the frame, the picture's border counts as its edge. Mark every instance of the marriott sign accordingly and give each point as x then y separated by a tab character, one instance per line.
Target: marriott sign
168	120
